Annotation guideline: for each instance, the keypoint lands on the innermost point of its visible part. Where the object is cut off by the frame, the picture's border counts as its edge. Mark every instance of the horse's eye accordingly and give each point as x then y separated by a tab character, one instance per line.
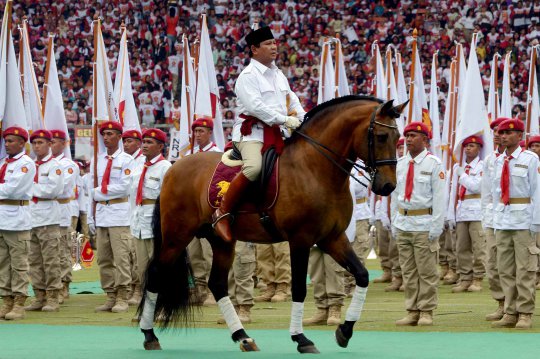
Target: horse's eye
382	138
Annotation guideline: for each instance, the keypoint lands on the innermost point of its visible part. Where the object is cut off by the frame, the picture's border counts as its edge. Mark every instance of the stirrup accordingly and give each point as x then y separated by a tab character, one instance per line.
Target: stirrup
219	218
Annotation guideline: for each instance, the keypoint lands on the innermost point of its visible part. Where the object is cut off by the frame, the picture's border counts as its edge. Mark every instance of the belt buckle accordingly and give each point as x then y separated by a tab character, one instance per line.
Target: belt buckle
107	202
405	212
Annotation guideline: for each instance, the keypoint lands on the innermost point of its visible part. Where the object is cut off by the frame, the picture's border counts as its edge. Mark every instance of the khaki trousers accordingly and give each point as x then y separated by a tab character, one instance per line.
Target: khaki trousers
418	260
383	240
393	256
65	254
43	258
251	158
145	251
443	253
470	250
113	246
14	263
133	262
327	278
241	274
492	269
274	262
361	247
200	256
450	247
517	257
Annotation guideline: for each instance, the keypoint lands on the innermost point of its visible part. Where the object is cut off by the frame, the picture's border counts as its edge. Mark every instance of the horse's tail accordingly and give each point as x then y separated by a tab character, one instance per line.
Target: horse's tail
170	278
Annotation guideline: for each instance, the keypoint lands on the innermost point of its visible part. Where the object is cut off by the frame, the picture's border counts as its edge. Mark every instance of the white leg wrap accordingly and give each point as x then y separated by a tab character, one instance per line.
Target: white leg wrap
147	317
357	303
231	318
297	314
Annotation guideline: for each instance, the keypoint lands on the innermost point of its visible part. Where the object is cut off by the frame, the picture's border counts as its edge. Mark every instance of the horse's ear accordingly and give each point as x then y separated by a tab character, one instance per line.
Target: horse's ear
386	109
399	108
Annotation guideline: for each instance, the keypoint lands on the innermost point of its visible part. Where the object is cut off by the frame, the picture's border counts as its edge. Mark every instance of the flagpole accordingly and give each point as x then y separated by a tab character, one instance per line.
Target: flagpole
188	104
323	66
94	107
396	69
21	53
47	67
413	70
388	64
456	100
123	30
532	75
496	84
337	55
451	97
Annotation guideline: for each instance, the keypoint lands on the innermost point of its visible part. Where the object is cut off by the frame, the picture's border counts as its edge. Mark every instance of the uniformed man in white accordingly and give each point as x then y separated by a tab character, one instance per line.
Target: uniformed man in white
67	211
132	141
516	220
200	252
465	215
112	219
264	100
43	258
534	146
145	189
418	209
17	173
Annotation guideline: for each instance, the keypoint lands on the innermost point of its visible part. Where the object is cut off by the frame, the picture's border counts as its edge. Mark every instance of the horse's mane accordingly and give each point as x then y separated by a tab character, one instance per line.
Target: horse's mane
311	116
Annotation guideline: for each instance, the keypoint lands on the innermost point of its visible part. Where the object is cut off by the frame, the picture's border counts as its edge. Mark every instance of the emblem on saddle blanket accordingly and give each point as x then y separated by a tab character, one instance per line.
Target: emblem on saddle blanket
221	180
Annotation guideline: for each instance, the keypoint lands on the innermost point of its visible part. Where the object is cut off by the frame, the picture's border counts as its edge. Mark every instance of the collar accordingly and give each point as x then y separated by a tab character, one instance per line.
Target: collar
60	156
473	162
156	159
114	155
262	68
207	147
419	158
137	154
516	153
47	158
19	155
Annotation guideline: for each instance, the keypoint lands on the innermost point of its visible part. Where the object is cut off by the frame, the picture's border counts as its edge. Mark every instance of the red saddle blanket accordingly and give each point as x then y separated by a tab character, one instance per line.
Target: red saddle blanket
256	201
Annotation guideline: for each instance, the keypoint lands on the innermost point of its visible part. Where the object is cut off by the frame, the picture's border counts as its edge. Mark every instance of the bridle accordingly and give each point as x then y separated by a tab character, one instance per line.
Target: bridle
372	164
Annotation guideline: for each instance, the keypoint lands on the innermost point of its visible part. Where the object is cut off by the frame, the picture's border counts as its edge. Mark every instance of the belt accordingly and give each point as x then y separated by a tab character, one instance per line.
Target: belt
415	212
472	196
361	200
113	201
44	199
522	200
147	201
15	202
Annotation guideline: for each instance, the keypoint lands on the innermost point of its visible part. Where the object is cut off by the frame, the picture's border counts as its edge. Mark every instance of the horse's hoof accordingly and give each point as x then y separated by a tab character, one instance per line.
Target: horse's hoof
341	339
308	349
248	345
153	345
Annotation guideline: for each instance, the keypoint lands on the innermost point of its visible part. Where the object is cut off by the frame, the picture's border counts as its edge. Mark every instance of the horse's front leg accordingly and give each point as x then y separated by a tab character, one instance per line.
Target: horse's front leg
341	251
223	256
299	266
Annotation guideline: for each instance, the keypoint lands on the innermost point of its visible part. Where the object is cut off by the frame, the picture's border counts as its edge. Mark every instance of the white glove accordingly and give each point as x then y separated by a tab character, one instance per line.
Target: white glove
386	225
434	236
92	228
460	171
535	228
451	224
394	232
292	122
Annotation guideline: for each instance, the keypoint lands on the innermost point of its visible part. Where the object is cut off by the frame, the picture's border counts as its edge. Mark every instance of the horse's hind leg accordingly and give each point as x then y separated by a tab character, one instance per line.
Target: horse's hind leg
223	256
341	251
299	266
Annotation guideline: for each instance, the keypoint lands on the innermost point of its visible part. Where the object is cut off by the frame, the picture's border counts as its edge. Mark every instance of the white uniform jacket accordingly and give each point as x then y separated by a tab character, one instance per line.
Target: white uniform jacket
113	214
428	192
524	183
141	218
71	173
262	92
470	208
17	185
44	207
487	197
361	197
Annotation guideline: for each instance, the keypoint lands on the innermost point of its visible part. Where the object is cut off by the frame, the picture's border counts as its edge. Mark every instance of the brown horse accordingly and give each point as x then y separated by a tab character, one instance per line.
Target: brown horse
314	206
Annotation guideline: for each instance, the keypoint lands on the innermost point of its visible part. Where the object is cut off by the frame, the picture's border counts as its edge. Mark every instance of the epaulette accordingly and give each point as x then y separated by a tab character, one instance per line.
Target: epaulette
432	156
247	69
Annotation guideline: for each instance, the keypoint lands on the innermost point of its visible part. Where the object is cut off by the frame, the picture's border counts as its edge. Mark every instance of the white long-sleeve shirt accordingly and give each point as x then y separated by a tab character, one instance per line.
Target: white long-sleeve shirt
262	92
524	183
487	196
49	186
428	192
18	182
469	209
71	173
112	215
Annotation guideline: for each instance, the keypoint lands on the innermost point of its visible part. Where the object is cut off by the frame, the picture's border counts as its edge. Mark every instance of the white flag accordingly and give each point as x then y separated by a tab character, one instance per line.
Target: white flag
434	110
380	78
401	92
493	105
327	84
534	100
506	96
123	93
54	115
32	98
420	110
342	83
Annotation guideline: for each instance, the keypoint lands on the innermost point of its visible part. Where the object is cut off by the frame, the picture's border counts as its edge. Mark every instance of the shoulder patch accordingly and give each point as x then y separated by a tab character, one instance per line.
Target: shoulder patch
441	175
127	172
24	169
70	170
59	172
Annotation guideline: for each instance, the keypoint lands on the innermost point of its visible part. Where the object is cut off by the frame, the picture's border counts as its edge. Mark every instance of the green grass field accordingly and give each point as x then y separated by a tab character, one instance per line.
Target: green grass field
456	312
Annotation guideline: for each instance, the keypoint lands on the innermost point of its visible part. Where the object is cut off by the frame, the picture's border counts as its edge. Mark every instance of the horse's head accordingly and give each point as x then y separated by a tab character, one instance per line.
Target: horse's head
379	151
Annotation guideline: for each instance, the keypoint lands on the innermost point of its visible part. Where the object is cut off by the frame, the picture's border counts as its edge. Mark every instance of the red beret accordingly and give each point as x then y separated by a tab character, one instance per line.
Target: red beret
473	139
132	134
497	122
203	122
534	139
512	125
110	125
155	134
417	127
16	131
59	134
46	135
401	142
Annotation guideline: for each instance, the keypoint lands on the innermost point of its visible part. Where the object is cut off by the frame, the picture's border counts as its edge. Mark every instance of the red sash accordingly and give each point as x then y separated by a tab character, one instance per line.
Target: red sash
271	134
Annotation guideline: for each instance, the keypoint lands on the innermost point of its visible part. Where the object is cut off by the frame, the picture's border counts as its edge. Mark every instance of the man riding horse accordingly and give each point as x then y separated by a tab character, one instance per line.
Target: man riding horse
264	100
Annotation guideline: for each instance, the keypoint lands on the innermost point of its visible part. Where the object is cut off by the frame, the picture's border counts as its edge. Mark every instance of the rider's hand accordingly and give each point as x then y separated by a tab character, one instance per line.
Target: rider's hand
292	122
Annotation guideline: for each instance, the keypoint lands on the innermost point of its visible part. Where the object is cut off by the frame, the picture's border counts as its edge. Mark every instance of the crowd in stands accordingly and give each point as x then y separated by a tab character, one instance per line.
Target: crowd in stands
155	32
